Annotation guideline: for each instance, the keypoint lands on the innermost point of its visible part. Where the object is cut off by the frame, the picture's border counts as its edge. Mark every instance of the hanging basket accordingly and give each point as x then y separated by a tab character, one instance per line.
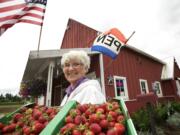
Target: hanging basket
34	88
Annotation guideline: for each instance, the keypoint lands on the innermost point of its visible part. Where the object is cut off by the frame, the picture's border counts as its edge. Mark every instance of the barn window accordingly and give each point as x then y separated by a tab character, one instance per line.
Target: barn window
157	88
178	86
120	86
144	86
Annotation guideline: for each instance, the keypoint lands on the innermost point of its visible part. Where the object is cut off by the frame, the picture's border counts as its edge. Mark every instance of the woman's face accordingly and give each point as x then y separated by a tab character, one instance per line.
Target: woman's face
73	71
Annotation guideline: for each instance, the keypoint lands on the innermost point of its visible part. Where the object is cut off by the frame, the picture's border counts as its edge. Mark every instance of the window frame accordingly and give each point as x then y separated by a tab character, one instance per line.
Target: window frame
159	86
146	86
126	97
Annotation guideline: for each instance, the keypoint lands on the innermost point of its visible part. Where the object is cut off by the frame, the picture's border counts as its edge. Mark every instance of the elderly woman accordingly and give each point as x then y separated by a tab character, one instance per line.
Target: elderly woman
75	65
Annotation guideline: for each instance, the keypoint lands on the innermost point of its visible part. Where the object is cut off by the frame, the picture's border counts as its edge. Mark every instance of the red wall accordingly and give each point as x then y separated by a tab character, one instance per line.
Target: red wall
78	35
133	66
176	70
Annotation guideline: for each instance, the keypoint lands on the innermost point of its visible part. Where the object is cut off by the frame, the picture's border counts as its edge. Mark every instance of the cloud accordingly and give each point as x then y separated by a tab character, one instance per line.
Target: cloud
169	13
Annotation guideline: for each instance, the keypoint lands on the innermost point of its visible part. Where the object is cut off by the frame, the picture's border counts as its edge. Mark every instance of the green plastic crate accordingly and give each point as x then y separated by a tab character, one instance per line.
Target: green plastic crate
129	123
59	120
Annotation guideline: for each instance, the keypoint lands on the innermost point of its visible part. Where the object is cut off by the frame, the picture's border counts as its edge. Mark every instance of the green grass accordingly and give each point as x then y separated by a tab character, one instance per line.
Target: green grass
4	109
11	103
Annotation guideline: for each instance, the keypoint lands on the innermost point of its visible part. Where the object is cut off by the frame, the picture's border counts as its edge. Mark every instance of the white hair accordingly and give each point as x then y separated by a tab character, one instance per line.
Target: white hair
80	55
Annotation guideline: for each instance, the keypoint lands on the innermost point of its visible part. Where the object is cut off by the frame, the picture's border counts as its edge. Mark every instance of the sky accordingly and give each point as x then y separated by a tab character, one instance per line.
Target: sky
156	24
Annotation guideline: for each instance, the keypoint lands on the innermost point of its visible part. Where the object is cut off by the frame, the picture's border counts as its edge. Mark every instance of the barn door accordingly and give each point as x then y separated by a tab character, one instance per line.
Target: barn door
59	93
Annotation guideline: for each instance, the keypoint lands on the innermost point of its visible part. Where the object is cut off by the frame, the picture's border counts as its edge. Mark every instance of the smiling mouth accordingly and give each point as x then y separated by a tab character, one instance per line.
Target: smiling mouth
72	75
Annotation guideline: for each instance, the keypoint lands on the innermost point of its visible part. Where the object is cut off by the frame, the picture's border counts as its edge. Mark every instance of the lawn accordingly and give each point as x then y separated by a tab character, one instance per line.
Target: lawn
4	109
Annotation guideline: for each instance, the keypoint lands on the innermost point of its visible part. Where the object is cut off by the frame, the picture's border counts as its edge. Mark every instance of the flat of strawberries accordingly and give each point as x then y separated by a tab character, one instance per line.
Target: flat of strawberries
89	119
29	121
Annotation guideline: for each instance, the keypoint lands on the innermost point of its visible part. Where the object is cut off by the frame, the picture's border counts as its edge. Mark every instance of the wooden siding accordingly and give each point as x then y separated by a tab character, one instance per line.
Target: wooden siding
133	66
168	87
176	70
78	35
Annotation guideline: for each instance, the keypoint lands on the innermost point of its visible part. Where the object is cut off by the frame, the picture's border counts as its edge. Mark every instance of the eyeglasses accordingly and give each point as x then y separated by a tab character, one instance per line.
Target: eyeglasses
73	65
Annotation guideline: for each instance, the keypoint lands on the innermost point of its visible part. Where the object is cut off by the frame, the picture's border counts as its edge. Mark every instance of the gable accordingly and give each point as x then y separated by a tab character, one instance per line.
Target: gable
78	35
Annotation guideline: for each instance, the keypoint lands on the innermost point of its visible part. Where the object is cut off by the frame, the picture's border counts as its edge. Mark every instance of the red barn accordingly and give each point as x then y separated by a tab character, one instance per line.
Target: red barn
134	75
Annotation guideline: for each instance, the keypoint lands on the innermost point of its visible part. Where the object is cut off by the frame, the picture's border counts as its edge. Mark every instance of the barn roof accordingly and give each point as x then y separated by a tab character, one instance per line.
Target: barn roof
144	54
38	61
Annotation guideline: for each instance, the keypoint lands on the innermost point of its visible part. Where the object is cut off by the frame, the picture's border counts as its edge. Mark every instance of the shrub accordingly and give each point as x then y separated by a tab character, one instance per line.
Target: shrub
161	113
141	120
175	106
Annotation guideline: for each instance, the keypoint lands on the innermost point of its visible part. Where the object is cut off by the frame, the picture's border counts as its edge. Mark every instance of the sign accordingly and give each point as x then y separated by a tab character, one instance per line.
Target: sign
109	43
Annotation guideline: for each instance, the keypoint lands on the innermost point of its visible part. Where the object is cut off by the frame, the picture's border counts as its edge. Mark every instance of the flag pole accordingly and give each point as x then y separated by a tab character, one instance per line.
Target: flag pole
129	37
39	41
120	48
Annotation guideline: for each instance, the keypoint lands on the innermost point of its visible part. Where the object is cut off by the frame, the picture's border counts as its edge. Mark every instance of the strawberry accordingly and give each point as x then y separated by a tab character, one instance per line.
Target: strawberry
28	111
79	120
1	125
113	114
71	125
103	106
90	110
27	130
76	132
36	114
5	129
120	119
109	106
87	113
94	118
12	127
20	124
42	119
104	124
115	105
100	110
63	129
74	112
17	117
120	128
36	106
95	128
88	132
111	124
102	116
102	133
83	107
112	131
49	111
43	109
110	117
69	119
51	116
37	128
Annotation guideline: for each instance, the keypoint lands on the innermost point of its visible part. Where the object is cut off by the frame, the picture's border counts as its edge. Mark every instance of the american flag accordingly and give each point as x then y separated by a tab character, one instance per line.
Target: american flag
15	11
